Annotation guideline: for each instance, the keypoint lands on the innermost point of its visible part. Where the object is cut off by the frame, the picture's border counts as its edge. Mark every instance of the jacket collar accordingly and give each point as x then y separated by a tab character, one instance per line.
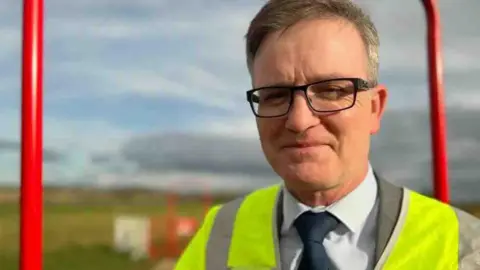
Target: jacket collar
390	202
362	198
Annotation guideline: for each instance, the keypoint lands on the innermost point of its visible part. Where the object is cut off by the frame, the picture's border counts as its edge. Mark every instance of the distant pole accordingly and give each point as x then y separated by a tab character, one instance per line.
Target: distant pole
172	217
437	104
31	201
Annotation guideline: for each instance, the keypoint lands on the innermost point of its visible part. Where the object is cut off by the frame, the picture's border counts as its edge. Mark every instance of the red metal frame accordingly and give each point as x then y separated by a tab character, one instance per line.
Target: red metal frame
437	104
171	247
31	142
31	146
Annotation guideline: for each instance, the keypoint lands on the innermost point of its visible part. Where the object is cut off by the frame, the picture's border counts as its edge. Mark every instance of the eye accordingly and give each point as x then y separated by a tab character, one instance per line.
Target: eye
331	94
334	90
272	95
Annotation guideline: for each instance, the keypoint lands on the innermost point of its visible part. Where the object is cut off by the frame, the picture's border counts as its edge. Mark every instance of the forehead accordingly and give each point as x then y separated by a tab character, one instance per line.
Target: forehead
308	51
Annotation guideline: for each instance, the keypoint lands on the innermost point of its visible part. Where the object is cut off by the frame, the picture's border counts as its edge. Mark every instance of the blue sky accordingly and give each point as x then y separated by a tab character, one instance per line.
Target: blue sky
126	80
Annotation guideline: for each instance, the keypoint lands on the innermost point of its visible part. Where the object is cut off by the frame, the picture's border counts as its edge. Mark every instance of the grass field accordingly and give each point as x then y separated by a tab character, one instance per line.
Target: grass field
78	235
75	237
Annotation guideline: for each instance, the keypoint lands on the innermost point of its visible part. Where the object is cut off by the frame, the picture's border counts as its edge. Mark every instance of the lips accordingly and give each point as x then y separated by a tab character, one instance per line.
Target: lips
303	144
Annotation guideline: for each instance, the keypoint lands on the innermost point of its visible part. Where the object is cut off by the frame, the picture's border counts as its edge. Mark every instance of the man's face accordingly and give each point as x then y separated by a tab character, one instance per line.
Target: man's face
328	148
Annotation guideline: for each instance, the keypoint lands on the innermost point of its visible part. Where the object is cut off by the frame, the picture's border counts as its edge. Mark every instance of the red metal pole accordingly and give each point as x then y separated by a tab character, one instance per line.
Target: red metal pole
172	217
31	143
437	105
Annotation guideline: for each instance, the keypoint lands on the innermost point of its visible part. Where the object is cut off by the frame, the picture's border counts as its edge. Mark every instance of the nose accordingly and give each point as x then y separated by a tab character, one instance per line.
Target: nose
301	117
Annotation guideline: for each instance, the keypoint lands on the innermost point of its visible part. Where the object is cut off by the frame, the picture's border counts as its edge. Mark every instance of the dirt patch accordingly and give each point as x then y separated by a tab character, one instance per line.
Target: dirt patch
165	264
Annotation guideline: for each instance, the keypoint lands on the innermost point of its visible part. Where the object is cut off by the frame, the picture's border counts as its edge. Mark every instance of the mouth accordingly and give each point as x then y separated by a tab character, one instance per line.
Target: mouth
303	145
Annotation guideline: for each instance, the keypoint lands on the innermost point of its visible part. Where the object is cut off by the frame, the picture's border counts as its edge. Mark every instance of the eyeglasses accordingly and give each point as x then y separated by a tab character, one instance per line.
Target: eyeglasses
323	97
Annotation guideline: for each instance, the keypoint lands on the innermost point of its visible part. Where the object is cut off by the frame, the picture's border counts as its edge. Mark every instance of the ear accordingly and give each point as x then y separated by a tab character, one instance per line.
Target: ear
378	105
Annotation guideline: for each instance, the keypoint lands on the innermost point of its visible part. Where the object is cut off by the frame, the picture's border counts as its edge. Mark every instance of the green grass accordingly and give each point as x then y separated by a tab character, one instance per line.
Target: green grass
95	257
80	236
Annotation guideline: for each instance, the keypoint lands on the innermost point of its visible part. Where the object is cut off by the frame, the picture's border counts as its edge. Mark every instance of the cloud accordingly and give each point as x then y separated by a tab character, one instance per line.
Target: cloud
238	126
49	155
52	156
190	83
67	146
10	36
7	145
101	158
401	152
403	50
196	153
186	182
191	54
67	134
188	50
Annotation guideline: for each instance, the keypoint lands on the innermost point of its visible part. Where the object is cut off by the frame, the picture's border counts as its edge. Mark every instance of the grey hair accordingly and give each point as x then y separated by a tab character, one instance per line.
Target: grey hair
277	15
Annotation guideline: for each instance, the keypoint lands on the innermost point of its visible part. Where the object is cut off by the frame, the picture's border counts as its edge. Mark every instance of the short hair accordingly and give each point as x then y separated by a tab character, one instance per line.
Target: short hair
277	15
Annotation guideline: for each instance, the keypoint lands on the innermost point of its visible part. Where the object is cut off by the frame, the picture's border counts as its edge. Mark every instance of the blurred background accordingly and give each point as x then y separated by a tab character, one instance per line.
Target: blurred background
146	122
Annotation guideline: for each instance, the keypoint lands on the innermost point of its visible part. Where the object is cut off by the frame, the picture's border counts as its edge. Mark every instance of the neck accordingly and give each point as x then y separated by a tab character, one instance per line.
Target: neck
326	197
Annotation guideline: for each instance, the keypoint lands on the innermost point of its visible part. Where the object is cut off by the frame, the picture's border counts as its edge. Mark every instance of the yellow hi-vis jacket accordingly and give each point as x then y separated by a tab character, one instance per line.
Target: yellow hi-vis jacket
414	232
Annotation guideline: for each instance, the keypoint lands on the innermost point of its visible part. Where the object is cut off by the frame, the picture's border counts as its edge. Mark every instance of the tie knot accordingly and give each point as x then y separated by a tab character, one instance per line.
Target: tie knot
315	226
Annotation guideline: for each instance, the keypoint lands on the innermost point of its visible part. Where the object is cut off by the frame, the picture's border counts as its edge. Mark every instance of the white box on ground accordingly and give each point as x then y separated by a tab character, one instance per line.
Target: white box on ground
132	235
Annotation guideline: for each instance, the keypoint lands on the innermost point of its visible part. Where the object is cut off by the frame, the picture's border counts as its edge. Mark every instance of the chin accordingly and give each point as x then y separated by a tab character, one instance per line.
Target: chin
312	175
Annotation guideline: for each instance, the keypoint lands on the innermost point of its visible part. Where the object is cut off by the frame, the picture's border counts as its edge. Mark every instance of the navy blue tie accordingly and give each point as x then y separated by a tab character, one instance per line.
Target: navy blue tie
312	229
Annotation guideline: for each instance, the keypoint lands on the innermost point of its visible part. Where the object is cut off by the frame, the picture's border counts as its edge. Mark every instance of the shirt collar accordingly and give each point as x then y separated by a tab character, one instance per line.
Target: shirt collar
352	210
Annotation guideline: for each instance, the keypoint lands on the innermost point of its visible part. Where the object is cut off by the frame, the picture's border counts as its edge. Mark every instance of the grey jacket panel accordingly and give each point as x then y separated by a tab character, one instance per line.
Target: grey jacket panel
218	243
391	199
277	223
393	235
469	241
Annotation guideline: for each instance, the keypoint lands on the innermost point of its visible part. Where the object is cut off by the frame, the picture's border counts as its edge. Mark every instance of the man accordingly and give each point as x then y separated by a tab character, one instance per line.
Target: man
314	67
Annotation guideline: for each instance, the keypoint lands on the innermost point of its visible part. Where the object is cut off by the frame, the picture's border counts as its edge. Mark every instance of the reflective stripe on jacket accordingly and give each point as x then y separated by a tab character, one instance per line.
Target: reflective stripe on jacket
414	232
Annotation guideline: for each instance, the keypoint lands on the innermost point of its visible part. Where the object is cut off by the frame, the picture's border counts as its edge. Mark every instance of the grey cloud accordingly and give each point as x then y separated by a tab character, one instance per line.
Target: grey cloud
409	88
211	33
151	32
401	152
403	52
52	156
405	20
7	145
49	155
146	19
404	148
101	158
197	153
112	162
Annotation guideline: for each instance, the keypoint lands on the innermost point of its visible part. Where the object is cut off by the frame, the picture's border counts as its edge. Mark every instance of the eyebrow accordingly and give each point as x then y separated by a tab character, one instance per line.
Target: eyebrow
310	79
329	76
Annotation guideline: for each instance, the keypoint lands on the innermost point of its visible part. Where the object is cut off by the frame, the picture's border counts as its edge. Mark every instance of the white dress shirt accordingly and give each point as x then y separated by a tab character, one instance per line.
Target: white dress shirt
352	245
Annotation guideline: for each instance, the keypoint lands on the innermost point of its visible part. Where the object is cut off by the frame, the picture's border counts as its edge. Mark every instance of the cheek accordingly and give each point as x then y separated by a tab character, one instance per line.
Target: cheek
352	130
269	130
